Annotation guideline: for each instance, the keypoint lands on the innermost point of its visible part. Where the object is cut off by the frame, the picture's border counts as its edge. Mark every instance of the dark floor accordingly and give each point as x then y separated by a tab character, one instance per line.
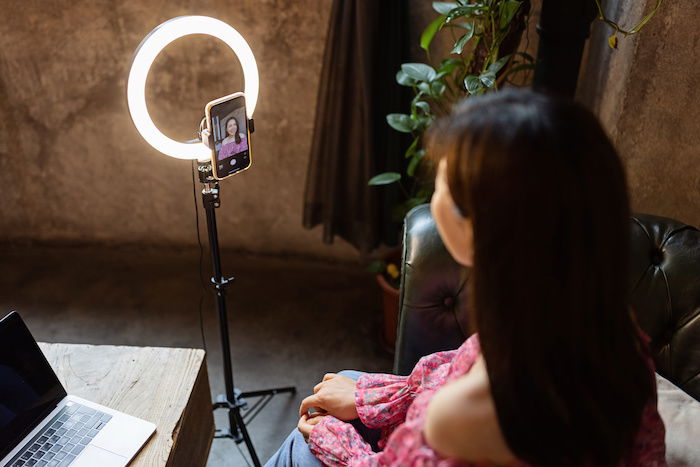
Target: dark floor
291	320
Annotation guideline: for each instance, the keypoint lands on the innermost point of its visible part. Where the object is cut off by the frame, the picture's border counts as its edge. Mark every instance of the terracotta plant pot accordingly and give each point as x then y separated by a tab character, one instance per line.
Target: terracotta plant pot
390	305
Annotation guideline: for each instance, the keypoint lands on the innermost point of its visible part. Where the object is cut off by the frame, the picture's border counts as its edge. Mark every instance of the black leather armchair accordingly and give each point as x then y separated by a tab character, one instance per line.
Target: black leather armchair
664	283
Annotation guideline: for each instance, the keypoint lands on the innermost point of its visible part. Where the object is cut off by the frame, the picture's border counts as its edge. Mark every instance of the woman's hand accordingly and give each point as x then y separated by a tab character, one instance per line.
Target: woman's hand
335	395
307	423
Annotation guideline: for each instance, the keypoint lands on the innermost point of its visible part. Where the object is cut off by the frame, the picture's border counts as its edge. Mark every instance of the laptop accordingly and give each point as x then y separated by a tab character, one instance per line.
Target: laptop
41	425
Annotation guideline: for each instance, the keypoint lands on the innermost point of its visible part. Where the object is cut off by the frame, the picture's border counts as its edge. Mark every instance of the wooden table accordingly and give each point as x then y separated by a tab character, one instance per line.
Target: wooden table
165	386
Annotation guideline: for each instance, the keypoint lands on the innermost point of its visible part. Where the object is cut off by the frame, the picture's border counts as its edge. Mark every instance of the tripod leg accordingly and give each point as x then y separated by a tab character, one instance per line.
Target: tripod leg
269	392
236	420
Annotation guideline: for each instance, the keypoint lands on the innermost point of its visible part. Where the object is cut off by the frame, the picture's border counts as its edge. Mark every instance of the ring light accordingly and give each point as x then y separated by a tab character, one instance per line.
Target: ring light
146	53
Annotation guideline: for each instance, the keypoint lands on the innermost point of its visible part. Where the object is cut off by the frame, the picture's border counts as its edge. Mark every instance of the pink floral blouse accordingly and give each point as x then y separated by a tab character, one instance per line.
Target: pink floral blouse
233	148
398	404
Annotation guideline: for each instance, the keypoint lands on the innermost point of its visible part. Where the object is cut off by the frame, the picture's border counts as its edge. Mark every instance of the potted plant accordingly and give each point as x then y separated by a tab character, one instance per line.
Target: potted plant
482	58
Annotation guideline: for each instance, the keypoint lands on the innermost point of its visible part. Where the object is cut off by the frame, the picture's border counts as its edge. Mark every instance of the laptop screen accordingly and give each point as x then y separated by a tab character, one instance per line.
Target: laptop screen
29	388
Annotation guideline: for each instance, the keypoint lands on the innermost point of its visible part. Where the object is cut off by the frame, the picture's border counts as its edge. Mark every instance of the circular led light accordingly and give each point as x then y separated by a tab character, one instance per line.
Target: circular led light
146	53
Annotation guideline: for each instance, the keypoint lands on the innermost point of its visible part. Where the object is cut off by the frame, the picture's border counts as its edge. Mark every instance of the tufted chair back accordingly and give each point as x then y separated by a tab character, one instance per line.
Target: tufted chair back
664	282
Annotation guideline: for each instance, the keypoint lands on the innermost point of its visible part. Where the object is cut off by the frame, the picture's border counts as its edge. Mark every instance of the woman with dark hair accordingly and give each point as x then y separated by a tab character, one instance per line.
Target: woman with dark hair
234	142
531	194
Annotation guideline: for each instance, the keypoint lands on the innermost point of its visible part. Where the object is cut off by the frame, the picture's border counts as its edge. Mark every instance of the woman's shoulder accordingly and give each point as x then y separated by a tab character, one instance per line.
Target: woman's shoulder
461	421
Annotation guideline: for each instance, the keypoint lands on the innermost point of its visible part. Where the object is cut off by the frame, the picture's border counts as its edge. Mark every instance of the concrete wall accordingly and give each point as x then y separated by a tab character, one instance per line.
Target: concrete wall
646	94
73	169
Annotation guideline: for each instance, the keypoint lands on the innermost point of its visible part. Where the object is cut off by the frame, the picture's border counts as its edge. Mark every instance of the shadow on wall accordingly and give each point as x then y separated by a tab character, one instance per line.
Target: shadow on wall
645	94
73	168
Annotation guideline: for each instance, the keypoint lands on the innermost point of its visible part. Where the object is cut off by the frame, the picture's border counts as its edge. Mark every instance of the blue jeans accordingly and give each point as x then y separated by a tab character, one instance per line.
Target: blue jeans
294	452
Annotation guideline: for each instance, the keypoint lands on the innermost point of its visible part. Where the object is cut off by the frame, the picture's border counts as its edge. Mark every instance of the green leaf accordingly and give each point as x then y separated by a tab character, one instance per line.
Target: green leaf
460	24
415	161
424	106
427	37
459	45
419	71
508	11
420	94
437	89
612	41
422	122
473	84
488	78
448	66
384	179
412	148
468	11
401	122
444	8
404	80
424	88
496	66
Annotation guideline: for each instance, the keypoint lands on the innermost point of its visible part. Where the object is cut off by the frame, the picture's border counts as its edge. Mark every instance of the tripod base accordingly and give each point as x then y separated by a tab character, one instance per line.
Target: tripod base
237	430
248	412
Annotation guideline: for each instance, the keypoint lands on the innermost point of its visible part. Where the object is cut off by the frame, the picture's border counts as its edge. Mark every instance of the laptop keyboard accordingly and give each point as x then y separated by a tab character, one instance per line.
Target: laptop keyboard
62	439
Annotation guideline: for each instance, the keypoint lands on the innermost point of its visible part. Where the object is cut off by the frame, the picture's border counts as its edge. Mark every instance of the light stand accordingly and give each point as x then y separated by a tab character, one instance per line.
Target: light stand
234	399
146	53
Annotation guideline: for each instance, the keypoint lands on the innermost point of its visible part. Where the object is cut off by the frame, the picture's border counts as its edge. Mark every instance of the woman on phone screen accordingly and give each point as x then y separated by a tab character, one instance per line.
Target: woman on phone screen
530	194
235	141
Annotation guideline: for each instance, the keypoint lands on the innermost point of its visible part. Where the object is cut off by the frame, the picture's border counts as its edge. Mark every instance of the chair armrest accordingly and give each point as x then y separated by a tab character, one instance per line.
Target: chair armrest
432	306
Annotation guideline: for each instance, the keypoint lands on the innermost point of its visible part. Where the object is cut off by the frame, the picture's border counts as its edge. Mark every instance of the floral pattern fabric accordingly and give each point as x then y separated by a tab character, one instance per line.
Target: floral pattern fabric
233	148
398	404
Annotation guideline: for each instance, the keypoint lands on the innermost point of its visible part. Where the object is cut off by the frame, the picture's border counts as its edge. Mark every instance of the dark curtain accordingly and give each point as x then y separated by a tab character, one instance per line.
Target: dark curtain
352	142
564	28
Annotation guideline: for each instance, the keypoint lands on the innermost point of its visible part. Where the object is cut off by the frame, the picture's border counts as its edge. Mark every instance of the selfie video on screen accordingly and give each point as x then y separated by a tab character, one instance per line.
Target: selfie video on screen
230	135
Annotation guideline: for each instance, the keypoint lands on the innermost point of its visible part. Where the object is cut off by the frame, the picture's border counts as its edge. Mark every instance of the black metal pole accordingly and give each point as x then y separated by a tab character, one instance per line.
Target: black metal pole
219	285
237	428
233	400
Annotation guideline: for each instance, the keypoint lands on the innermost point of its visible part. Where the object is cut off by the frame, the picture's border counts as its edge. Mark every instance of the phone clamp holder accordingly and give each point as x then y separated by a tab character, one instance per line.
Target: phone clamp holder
234	400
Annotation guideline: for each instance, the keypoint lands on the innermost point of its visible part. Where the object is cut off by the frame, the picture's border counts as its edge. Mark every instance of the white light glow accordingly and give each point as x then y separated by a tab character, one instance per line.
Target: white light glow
147	52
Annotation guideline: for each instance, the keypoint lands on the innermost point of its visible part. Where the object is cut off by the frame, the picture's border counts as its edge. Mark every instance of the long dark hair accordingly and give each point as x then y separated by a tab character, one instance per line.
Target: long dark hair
547	196
237	136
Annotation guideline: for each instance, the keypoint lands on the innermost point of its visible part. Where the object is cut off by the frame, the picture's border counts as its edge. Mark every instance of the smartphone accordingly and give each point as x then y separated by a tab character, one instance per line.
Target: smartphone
227	122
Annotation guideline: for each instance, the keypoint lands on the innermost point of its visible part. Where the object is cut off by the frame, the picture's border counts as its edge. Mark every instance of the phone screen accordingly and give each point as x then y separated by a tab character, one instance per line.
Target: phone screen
229	129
